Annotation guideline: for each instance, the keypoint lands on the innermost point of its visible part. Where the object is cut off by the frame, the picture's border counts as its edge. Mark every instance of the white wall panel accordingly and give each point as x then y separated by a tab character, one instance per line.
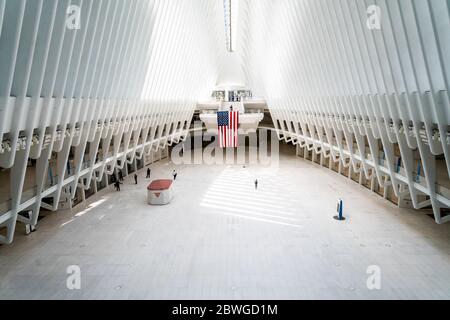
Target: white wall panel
132	67
341	89
126	83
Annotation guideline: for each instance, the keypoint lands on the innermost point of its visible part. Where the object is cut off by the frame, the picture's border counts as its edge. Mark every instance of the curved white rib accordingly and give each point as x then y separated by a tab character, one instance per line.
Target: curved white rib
360	97
124	85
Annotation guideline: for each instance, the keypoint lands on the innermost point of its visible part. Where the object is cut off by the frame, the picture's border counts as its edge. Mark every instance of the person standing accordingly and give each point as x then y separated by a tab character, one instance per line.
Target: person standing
120	175
175	174
117	185
149	172
135	178
256	184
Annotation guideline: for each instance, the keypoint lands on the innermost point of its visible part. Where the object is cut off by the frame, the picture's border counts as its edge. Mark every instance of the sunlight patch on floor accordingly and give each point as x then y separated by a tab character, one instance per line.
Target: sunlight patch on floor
85	211
233	193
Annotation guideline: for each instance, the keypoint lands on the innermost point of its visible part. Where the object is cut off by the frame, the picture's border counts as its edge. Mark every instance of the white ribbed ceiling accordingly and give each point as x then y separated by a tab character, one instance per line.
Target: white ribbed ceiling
373	100
177	49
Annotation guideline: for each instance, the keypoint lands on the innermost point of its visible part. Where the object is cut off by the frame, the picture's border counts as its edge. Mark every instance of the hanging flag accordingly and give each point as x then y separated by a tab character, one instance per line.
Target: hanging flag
228	123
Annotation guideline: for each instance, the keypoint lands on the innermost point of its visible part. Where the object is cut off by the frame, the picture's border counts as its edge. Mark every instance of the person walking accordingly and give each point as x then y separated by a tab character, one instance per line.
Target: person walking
117	185
175	174
149	172
256	184
135	178
120	175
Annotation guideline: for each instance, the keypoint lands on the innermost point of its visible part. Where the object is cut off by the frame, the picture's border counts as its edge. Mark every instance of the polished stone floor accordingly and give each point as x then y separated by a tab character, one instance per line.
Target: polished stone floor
222	239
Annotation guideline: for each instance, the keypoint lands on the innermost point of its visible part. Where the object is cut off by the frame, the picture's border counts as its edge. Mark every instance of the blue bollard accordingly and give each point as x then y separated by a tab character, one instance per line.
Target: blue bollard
340	210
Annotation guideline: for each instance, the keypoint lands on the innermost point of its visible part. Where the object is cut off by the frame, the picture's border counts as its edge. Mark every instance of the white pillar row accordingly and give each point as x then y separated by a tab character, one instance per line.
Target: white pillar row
130	68
355	84
353	80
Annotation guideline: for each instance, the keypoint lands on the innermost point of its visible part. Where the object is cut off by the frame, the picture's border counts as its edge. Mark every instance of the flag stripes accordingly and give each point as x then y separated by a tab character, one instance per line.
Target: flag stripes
228	124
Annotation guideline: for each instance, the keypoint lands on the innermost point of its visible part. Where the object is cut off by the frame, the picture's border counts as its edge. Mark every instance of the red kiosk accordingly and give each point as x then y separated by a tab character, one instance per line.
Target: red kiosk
160	192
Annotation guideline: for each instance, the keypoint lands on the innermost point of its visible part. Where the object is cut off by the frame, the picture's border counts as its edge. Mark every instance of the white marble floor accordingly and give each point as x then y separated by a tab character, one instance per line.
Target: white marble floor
221	239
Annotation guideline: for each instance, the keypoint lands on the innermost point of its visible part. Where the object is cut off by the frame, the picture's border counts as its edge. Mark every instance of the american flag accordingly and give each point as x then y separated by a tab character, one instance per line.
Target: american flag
228	122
